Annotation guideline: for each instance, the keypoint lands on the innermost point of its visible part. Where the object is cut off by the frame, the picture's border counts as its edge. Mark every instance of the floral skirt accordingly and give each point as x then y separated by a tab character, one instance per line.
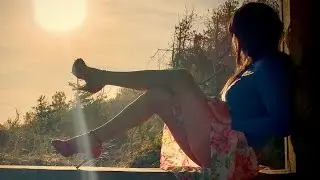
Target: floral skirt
231	157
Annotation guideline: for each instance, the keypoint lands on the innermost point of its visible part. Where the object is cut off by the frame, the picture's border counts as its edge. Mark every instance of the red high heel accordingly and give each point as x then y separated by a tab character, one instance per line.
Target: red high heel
67	149
82	71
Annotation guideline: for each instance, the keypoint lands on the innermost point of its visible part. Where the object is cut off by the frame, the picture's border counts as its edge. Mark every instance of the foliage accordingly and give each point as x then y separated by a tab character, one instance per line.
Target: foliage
28	137
25	139
273	3
207	52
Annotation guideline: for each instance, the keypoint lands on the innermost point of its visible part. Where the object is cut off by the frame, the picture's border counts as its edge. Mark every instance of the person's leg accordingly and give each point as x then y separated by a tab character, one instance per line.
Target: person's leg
193	103
141	80
196	113
154	101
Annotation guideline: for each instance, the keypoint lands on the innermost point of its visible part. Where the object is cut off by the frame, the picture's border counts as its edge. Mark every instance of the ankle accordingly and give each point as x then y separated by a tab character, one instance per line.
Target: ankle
94	138
101	76
88	140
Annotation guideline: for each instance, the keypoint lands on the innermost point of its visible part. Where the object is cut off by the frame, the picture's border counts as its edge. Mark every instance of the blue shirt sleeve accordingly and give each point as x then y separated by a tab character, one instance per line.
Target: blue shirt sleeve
273	82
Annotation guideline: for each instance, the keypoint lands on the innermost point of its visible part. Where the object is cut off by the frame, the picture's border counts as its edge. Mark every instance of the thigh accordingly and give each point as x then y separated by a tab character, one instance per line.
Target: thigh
164	105
196	117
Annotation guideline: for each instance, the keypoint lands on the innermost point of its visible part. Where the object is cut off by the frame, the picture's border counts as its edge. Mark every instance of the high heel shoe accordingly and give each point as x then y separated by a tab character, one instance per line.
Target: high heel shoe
82	71
68	148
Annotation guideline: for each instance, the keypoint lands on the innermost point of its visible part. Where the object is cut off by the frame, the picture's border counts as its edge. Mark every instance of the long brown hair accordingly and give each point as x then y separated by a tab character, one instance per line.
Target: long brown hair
256	30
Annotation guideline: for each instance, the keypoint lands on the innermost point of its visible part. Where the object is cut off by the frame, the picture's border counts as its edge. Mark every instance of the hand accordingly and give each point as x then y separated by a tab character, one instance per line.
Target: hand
220	110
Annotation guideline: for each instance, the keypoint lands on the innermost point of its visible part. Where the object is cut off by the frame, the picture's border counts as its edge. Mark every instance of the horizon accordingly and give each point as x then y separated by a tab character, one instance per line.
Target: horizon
37	54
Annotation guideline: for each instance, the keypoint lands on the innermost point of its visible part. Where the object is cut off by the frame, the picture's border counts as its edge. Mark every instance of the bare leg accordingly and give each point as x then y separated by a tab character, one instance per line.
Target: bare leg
153	102
146	79
192	101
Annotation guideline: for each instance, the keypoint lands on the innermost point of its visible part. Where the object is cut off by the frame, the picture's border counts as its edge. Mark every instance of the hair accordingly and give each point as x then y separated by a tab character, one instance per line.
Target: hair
256	30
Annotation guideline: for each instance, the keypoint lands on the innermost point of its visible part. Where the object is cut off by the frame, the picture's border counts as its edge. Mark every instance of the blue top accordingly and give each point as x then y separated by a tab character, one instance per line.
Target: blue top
261	101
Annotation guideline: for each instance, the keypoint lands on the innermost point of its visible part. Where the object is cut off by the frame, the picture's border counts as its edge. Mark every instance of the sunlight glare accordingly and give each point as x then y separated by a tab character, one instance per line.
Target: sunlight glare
80	118
59	15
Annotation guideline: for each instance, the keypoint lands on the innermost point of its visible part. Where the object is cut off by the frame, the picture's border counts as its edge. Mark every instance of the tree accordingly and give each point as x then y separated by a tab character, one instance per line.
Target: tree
83	97
272	3
13	123
59	109
59	101
208	52
43	116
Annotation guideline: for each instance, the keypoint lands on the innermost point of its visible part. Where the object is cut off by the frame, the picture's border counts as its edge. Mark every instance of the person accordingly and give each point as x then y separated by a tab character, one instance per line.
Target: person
256	101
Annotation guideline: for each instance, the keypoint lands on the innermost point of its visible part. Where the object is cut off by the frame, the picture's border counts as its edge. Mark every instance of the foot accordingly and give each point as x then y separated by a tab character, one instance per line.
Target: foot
69	148
88	74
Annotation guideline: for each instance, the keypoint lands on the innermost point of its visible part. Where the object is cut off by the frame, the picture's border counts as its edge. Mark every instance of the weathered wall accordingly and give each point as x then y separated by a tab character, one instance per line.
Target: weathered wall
285	16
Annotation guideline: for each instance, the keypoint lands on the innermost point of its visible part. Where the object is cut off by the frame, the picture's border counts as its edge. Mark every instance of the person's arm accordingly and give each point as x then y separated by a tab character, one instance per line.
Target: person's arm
275	88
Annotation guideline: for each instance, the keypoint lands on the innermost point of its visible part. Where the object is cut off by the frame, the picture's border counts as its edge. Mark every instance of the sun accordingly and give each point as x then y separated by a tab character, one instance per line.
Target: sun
59	15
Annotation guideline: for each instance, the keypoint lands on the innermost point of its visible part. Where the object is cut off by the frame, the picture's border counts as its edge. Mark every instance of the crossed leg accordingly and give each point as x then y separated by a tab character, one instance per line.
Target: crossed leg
193	135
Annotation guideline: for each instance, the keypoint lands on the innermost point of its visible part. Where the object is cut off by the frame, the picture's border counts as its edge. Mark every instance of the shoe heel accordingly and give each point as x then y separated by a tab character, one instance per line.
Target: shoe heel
83	162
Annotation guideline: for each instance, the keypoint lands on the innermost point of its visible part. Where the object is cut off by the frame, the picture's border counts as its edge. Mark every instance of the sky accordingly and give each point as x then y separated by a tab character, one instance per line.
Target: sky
36	53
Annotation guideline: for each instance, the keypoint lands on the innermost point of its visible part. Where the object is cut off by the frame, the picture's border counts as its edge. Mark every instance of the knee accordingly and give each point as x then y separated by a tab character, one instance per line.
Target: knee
158	98
184	82
184	77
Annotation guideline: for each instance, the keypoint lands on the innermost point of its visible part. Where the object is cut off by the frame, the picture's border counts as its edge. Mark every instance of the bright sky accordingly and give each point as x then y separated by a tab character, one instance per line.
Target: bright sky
38	43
